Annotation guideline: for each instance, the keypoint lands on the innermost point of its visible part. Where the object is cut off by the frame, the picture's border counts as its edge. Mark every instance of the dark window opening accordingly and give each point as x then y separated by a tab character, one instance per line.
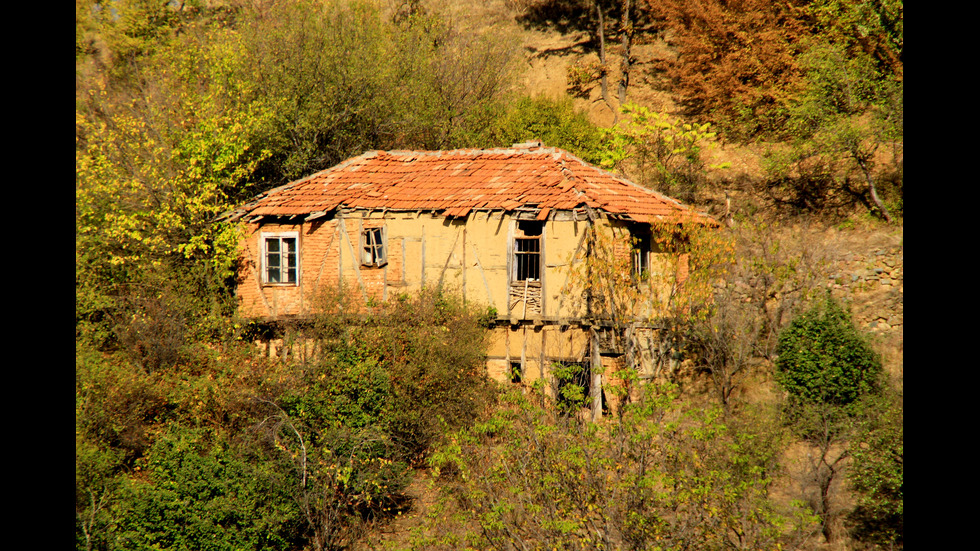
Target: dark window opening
530	228
527	251
516	372
641	255
280	260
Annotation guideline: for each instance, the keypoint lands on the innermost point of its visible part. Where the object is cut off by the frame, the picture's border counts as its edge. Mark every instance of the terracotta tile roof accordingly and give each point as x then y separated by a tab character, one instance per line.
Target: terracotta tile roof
456	182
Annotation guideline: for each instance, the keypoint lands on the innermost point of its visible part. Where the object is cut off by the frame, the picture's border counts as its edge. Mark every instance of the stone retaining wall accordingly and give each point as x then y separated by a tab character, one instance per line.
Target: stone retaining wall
872	282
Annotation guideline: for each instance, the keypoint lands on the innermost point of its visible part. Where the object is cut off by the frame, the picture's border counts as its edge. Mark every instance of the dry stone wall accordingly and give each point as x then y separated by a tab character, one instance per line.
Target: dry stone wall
872	280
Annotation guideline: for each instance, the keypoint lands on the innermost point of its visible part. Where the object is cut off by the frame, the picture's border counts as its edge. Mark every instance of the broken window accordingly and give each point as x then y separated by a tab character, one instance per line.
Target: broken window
527	251
373	251
641	255
516	372
280	259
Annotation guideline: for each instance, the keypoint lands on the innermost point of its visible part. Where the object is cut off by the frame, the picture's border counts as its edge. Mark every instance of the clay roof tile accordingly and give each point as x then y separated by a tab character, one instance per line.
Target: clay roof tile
455	182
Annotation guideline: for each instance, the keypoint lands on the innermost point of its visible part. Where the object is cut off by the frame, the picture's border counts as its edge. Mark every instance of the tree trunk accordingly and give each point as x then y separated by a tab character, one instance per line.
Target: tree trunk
603	78
874	191
627	30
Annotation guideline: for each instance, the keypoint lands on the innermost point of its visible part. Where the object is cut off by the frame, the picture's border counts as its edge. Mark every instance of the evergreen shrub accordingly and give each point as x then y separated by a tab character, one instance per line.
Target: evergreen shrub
822	358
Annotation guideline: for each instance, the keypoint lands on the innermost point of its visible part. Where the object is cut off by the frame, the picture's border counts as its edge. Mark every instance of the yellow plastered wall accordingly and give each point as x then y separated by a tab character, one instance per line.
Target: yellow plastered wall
469	255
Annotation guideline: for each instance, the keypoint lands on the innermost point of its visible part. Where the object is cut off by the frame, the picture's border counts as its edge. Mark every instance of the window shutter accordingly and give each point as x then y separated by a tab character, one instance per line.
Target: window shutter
382	247
366	247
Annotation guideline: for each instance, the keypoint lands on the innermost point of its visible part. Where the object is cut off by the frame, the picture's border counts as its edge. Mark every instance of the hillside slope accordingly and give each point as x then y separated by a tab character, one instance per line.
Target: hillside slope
863	260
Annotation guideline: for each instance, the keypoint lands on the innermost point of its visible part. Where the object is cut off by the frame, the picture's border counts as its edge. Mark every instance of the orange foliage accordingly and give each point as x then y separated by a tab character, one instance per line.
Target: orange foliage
736	63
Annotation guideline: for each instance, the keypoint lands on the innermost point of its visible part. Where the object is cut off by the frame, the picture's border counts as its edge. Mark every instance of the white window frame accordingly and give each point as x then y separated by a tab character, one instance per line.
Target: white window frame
264	239
374	246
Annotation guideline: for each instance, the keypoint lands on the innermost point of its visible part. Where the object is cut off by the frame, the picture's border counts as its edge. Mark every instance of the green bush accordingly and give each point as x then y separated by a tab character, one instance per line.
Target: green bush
200	494
341	391
433	346
657	477
823	359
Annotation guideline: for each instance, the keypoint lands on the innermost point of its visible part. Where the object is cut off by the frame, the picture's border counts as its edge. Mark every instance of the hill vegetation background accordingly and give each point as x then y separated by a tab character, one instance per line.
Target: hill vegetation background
782	120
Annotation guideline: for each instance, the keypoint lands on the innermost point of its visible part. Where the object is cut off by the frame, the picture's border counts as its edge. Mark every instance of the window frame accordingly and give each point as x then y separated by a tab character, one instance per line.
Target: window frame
527	231
528	263
264	239
374	246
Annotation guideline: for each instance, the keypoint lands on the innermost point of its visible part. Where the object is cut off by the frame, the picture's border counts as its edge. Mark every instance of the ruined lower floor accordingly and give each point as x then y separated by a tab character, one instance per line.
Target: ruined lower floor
540	355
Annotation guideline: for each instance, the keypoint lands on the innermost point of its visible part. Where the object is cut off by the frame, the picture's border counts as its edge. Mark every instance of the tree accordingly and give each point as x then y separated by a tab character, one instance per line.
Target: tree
97	484
847	130
831	374
210	106
555	122
872	29
159	155
736	63
823	359
659	150
315	66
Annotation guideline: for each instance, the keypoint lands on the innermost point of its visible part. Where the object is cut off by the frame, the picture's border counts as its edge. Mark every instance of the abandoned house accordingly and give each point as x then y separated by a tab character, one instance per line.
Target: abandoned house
506	227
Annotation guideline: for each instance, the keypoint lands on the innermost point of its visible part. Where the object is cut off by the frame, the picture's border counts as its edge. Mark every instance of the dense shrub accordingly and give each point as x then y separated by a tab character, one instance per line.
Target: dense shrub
200	494
228	450
430	350
823	359
660	476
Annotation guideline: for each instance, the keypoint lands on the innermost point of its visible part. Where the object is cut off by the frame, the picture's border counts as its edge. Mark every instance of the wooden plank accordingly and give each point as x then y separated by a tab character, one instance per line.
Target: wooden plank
510	261
449	257
256	274
464	263
323	261
571	262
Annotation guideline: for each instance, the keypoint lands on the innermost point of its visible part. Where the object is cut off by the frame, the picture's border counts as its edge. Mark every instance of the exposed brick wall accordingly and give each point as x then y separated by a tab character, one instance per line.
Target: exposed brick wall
327	248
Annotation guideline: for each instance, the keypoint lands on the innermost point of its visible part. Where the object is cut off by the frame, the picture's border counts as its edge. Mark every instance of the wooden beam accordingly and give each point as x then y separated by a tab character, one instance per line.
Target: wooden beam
449	257
483	275
596	373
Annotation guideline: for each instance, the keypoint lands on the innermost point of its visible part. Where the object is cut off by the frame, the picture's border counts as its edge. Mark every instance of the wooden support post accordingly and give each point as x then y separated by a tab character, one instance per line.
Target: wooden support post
596	373
464	264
